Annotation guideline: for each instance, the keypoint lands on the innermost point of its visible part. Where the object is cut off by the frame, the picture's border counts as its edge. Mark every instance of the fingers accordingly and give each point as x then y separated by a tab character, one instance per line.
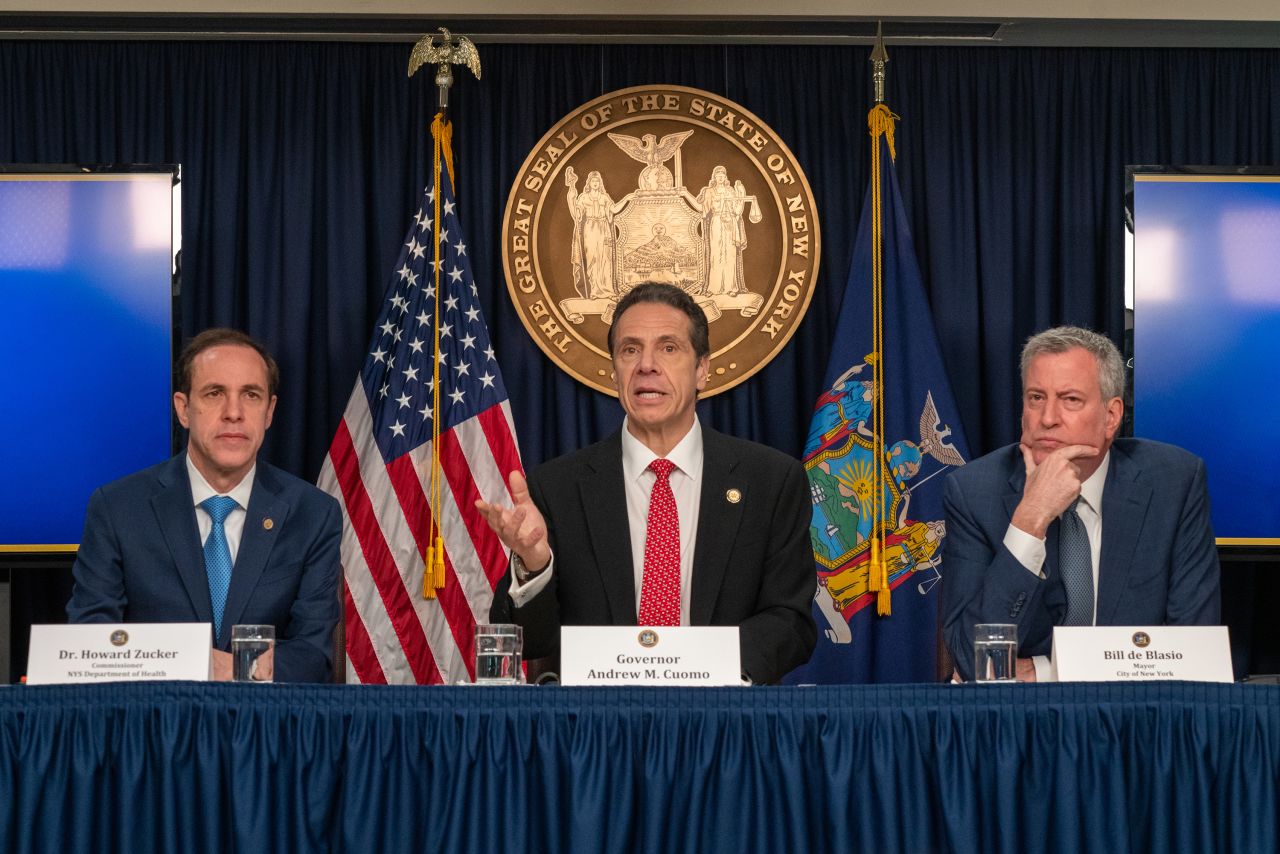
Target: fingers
1072	452
1028	458
519	488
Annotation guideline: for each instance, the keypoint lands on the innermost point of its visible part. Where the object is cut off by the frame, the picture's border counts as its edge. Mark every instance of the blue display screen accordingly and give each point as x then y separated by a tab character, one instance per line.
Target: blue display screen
1206	329
85	343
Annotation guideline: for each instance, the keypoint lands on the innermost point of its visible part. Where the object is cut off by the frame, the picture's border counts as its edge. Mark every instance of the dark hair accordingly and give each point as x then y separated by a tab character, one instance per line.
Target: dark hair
699	335
221	337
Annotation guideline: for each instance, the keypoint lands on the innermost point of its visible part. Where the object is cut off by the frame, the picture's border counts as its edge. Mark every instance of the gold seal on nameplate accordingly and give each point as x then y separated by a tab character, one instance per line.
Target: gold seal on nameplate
663	184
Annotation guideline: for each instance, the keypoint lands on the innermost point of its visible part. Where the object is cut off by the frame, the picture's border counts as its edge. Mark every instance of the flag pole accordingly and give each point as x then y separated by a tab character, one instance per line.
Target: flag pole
452	51
879	122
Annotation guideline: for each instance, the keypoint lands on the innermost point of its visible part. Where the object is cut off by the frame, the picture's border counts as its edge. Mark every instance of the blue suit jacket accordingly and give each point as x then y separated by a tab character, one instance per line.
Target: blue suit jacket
141	561
1158	566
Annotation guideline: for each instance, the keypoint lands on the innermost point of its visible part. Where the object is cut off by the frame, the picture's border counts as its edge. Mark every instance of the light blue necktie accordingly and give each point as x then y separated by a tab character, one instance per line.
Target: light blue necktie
217	555
1075	562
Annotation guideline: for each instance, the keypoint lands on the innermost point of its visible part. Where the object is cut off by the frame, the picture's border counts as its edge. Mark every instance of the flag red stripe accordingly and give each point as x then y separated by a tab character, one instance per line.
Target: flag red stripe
382	567
457	613
493	558
413	502
502	444
359	647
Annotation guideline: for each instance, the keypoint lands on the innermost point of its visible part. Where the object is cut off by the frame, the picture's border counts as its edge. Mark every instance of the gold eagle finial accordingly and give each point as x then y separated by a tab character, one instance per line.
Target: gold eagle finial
452	50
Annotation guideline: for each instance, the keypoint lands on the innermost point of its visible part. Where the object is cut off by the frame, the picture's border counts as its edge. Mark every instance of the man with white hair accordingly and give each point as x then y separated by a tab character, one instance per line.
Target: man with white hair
1073	526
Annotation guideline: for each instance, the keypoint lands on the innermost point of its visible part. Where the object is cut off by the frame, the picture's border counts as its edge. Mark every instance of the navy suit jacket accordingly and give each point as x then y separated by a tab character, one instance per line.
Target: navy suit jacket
141	561
1158	565
752	564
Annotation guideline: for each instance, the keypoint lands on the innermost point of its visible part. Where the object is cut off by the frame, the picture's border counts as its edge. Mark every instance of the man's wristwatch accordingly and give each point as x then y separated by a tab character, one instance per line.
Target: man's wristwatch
523	573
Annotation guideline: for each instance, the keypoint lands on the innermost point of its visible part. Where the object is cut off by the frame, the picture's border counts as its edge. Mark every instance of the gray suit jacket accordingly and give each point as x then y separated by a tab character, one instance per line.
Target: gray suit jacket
1158	566
752	566
141	561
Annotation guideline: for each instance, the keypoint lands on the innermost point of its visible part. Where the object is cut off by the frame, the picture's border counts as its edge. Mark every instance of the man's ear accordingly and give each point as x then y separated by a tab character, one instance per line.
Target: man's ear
1115	414
180	407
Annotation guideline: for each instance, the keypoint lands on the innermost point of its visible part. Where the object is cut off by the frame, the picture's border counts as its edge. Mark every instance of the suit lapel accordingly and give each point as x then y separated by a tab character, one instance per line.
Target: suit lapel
263	522
176	515
1124	509
718	521
604	504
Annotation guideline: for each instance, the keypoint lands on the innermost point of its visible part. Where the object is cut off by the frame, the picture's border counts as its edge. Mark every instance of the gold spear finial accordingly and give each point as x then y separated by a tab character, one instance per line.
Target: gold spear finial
452	50
879	58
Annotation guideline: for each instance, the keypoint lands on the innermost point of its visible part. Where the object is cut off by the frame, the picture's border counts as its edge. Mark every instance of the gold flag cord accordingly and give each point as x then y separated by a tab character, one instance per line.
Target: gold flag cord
879	123
442	155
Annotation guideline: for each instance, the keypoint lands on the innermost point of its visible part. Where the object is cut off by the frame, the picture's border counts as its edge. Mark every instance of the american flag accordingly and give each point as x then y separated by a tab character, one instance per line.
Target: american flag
379	468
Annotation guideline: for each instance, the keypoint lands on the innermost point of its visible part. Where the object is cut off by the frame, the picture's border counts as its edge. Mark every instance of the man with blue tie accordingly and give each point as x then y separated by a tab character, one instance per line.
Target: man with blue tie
214	535
1073	526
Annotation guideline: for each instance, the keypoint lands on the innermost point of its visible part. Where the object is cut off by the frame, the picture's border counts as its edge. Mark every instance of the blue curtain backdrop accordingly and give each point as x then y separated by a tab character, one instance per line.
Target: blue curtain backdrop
302	162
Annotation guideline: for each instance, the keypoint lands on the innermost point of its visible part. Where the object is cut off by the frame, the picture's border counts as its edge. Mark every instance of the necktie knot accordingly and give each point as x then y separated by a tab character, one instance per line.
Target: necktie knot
662	468
219	507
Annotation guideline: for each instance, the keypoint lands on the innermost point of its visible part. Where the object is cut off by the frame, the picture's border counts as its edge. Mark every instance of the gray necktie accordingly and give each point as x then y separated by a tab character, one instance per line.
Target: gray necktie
1076	565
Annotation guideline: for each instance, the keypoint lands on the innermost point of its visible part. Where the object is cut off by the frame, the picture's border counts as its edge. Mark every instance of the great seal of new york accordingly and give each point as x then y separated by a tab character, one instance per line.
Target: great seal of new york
665	184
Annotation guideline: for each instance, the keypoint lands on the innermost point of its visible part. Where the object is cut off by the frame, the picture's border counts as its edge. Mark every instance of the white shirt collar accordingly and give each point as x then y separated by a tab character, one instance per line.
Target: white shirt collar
200	488
687	454
1091	489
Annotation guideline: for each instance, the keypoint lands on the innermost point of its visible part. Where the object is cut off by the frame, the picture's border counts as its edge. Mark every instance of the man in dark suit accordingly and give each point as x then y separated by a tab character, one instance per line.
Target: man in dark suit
1034	529
154	541
665	522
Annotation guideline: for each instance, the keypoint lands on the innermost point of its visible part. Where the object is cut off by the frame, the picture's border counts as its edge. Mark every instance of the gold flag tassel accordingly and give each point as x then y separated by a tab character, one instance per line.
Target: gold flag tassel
433	567
879	123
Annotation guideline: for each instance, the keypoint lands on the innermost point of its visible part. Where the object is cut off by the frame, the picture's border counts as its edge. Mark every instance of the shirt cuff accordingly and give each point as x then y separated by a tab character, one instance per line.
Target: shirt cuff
1044	669
1028	550
522	593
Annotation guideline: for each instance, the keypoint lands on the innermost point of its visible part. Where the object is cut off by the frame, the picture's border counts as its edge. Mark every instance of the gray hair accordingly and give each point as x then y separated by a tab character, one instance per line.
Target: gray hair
1060	339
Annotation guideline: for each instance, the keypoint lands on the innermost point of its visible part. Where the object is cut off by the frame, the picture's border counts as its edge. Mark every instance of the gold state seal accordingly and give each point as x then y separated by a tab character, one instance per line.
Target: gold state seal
664	184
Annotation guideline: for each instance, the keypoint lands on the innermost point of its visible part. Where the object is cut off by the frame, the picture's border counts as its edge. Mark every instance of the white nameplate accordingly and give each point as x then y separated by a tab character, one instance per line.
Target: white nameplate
636	655
123	652
1141	653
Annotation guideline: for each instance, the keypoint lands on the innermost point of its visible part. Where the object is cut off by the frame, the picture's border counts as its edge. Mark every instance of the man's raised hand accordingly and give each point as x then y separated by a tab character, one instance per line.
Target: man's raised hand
520	527
1050	488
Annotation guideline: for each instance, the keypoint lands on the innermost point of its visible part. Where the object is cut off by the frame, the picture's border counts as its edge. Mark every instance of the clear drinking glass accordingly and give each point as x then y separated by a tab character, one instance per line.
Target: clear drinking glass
249	643
499	647
995	652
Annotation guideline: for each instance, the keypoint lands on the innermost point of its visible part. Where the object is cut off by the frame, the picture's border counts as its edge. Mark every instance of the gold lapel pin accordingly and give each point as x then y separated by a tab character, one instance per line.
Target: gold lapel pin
733	496
267	524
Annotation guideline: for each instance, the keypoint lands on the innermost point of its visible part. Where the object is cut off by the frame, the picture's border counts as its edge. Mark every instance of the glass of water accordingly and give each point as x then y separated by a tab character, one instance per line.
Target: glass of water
498	654
995	652
253	653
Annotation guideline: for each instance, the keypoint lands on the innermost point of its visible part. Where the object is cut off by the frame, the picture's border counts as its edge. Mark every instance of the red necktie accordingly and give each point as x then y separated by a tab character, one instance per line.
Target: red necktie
660	590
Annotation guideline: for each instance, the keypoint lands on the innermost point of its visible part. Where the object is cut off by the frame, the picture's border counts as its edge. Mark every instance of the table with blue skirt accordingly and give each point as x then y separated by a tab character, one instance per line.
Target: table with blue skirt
168	766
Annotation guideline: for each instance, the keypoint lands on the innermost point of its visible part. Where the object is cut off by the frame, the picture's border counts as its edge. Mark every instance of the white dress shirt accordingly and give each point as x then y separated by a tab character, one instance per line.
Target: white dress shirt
686	486
233	525
1030	550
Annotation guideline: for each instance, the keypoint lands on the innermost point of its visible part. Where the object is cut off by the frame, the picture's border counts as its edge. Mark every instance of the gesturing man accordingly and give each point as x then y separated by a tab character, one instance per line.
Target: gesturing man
666	522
